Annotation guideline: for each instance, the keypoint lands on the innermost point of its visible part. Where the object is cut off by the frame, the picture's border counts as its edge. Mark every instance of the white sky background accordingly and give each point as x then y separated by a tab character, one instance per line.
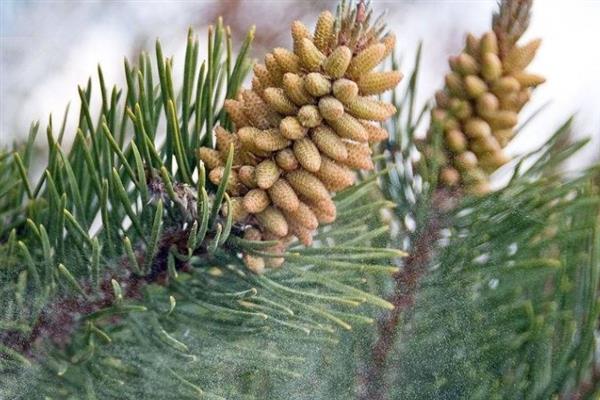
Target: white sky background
49	47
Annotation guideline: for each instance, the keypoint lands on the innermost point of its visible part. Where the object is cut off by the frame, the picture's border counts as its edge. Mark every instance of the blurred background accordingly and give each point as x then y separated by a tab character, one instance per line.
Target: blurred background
48	47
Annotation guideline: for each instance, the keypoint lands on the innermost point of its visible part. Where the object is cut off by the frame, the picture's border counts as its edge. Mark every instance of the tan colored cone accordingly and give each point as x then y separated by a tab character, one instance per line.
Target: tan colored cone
505	85
376	133
239	212
476	128
349	127
378	82
329	143
389	41
235	110
286	160
372	110
520	57
527	80
466	64
263	75
210	157
288	61
487	103
324	30
307	184
258	112
338	61
302	215
449	176
455	85
309	116
272	220
275	71
256	200
270	140
291	128
266	174
359	156
299	32
489	43
293	86
304	235
473	45
366	60
247	177
310	56
491	68
277	99
283	196
456	141
307	154
335	176
502	119
345	90
466	160
317	84
330	108
474	86
254	263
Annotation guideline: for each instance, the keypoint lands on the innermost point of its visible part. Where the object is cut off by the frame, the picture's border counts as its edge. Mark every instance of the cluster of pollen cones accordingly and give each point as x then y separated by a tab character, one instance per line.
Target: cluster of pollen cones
303	130
479	106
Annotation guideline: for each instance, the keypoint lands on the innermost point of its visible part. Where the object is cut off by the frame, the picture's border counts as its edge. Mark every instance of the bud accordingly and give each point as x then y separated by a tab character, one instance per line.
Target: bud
324	211
256	200
303	234
270	140
375	132
272	220
302	215
294	89
345	90
262	73
309	116
349	127
503	136
286	160
474	86
466	160
473	45
466	64
455	85
505	85
247	177
389	41
235	110
291	128
372	110
359	156
258	112
502	119
491	67
477	128
307	185
449	176
528	80
254	263
279	102
366	60
210	157
442	99
489	43
310	56
456	141
335	176
520	57
461	109
266	174
299	32
324	30
329	143
485	145
487	103
283	196
331	108
307	154
378	82
317	85
275	71
288	61
338	61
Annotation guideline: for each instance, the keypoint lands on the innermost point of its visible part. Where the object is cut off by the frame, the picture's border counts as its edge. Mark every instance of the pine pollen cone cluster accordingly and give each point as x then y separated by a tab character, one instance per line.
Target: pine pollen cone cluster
478	108
303	130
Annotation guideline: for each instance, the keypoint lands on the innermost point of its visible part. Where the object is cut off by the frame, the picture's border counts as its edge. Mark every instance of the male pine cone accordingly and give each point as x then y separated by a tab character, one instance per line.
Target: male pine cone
478	108
303	129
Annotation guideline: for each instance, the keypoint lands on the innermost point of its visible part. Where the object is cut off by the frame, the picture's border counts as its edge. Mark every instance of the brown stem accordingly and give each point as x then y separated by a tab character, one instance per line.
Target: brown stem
407	283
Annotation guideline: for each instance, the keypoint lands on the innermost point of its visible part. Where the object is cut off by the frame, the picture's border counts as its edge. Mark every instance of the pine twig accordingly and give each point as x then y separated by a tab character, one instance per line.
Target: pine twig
406	287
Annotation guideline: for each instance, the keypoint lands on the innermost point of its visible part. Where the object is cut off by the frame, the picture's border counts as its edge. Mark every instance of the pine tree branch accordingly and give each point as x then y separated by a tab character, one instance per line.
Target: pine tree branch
405	291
